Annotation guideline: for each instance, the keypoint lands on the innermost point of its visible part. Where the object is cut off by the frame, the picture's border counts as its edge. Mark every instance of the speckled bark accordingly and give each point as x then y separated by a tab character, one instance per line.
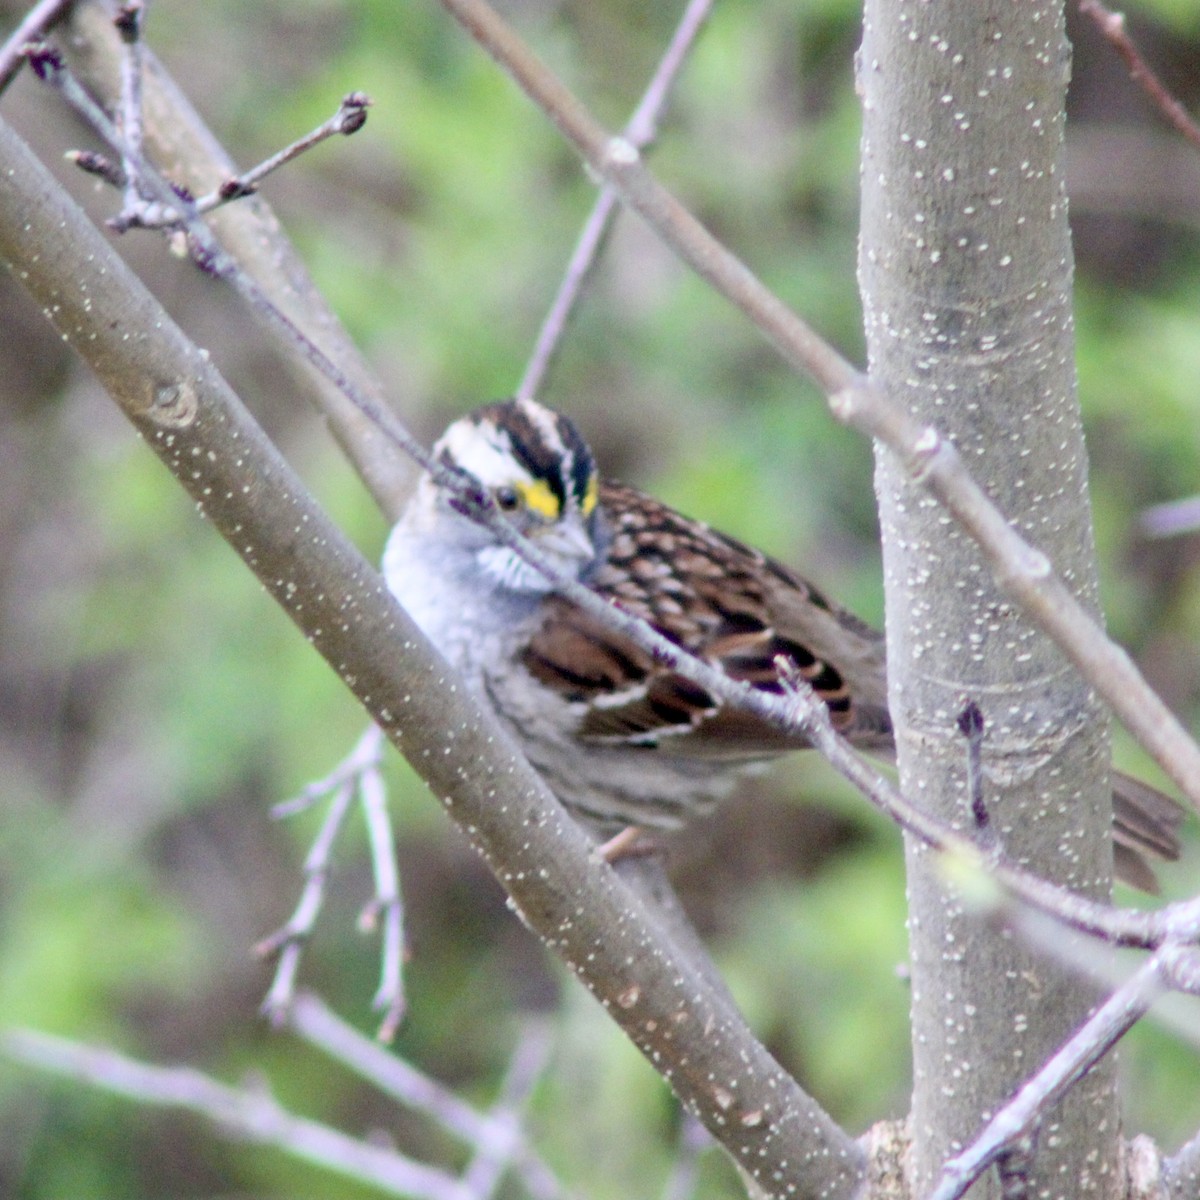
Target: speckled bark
620	948
965	267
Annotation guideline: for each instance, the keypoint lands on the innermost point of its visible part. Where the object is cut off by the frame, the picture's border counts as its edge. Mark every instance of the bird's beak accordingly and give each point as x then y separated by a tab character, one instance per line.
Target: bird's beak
567	541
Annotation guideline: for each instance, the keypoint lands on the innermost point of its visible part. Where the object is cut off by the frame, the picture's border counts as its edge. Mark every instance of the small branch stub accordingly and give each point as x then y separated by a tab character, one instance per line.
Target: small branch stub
174	405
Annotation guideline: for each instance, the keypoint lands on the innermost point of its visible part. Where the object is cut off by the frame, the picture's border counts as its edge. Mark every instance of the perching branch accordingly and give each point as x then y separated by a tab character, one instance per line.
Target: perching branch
186	413
1020	569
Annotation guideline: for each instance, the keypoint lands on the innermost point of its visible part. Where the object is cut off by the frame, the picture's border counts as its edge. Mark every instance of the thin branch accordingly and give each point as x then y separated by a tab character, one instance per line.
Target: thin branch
350	117
1112	26
1020	569
288	941
1120	927
318	1025
386	908
641	131
366	756
1086	1046
129	25
612	940
242	1112
357	775
1171	518
40	19
493	1160
491	1133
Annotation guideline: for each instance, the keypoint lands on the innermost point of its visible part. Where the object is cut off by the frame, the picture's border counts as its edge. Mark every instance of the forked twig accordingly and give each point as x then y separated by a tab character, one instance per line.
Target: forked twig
251	1112
357	776
288	941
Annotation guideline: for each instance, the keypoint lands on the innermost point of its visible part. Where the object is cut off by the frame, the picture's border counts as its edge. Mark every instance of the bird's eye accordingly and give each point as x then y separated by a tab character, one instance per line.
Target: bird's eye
507	498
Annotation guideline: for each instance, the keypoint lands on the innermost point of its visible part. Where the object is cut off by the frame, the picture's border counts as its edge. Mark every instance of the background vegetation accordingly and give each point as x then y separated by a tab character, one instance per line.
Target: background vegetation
153	703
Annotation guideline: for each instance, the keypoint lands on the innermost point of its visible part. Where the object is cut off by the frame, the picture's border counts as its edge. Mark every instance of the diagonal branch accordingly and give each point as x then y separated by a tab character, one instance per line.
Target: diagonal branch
188	416
1018	1119
1112	26
641	131
244	1112
1020	569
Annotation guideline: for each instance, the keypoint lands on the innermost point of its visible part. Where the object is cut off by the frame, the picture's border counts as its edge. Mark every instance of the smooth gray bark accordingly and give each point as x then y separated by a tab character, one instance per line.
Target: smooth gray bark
617	945
966	271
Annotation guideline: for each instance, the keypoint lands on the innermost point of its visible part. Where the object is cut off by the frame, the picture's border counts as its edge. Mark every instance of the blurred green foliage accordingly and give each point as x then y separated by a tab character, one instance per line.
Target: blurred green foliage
153	703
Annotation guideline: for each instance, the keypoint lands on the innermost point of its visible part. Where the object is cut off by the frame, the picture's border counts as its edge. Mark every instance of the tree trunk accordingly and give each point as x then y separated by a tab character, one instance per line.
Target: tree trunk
965	267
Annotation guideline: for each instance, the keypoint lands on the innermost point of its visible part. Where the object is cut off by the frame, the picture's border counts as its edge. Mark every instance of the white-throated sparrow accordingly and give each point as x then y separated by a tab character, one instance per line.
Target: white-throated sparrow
619	738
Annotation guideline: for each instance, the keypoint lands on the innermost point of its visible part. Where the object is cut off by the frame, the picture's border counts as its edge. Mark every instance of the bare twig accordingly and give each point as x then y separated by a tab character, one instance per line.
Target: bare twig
288	941
385	908
242	1112
1112	25
1171	518
318	1025
129	25
1090	1042
37	23
494	1134
641	131
357	775
349	118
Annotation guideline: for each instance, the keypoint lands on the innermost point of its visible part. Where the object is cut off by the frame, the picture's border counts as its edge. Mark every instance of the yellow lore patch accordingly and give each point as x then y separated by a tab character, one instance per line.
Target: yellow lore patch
540	499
